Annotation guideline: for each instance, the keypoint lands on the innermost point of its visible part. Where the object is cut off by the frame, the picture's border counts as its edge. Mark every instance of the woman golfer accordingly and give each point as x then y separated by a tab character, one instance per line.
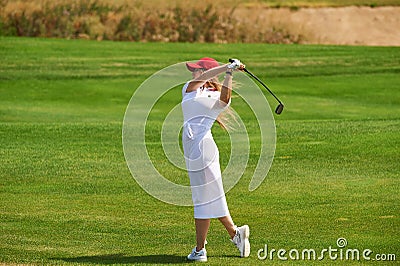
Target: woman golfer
204	99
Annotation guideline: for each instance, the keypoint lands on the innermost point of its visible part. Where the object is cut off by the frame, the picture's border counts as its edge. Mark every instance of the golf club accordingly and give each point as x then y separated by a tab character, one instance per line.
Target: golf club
279	108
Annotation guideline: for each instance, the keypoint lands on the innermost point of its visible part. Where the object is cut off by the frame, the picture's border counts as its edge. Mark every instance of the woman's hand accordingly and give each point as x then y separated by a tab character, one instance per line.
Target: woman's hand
236	64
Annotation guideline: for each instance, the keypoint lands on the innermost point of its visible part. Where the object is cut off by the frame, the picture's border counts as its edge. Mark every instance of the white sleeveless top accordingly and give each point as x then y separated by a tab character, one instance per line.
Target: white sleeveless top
200	110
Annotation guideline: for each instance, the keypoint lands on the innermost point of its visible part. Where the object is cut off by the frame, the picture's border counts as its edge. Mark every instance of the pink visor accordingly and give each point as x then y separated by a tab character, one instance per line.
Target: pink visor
204	63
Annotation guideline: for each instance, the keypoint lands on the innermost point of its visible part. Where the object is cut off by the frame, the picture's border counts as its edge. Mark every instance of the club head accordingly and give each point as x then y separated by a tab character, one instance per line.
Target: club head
279	109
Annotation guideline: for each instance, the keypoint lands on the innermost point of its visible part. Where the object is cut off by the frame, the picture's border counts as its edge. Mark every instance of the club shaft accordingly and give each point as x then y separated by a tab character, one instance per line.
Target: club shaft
262	83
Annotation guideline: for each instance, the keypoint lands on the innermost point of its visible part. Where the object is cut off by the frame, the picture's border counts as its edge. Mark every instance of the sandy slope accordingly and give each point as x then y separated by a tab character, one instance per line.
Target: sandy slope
379	26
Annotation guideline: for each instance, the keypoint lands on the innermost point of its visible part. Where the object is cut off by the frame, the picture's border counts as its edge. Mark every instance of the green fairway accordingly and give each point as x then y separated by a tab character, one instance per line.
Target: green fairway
67	196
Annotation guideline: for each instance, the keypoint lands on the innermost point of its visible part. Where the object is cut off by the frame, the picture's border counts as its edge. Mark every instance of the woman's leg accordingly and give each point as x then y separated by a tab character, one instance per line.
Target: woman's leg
229	225
240	237
202	226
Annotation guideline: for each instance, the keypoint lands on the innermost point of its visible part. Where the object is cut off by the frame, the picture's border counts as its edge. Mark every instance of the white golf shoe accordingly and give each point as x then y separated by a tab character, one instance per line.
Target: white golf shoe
200	255
241	240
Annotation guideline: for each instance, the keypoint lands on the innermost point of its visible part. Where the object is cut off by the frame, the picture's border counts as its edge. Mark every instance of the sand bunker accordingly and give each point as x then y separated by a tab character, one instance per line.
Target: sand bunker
379	26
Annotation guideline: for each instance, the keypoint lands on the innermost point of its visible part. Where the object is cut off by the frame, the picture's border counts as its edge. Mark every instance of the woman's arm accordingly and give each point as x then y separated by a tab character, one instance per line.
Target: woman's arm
226	90
203	78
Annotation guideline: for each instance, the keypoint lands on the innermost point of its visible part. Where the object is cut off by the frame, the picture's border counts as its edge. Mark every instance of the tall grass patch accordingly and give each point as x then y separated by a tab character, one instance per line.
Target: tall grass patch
154	21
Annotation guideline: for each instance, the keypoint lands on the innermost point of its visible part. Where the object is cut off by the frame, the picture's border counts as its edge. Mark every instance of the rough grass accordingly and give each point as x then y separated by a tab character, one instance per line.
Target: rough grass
156	21
67	196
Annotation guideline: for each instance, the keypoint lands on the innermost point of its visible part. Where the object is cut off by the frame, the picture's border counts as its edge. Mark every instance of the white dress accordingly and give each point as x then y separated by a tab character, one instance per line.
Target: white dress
200	110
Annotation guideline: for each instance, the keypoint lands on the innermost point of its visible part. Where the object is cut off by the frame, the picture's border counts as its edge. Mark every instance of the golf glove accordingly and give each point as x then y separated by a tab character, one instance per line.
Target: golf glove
235	63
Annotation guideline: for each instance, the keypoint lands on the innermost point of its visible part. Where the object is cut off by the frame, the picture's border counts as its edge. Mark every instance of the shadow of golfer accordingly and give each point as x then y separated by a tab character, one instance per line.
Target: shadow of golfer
123	259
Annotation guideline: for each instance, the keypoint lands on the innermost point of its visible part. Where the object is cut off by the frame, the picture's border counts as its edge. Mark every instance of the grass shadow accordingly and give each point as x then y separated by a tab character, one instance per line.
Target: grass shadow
123	259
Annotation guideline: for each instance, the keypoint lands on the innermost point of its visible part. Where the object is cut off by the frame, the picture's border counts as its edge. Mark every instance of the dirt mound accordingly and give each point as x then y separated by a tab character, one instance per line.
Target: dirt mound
379	26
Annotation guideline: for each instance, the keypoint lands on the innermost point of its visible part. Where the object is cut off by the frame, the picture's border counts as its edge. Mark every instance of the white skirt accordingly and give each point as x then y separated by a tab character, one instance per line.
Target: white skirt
202	160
